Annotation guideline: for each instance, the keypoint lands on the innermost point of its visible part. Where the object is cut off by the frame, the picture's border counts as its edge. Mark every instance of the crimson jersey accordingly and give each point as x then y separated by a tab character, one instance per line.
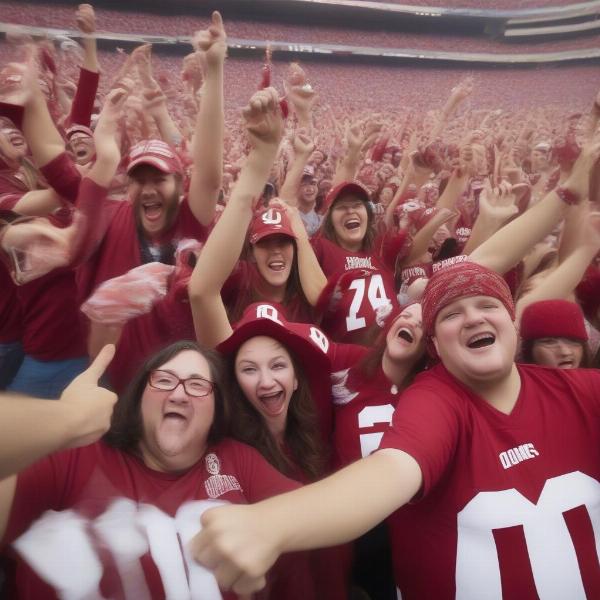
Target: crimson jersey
362	414
96	520
361	296
242	288
510	504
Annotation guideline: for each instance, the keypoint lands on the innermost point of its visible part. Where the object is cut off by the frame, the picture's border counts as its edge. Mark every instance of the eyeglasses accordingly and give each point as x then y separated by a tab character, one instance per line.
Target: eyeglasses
555	341
165	381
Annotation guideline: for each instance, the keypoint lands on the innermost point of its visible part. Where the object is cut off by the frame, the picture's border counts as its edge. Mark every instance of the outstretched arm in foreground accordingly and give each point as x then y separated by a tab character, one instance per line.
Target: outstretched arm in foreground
240	543
31	428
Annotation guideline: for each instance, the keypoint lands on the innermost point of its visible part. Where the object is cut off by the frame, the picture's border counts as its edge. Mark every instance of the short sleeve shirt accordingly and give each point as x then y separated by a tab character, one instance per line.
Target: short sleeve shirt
510	504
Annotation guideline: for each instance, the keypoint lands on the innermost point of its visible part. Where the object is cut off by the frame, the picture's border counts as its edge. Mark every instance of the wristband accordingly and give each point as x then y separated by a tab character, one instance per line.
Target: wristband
567	196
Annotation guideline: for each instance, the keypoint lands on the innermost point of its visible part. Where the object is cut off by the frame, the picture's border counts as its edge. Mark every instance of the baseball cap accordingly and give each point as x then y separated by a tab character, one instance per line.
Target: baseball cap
270	222
346	187
78	129
157	154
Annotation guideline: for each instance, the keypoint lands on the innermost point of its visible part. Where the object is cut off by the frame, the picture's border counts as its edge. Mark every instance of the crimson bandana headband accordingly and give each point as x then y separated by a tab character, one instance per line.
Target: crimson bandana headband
462	280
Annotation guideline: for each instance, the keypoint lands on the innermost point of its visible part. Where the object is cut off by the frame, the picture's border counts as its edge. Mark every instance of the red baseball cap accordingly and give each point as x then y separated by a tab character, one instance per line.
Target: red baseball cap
270	222
157	154
346	187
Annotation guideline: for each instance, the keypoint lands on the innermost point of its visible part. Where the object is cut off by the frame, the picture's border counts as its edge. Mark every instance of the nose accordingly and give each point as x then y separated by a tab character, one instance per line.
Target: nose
473	316
178	395
563	348
266	380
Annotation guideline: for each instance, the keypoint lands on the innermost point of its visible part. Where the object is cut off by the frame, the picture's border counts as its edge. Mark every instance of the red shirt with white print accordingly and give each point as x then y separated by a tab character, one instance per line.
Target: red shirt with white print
123	528
363	413
510	504
373	287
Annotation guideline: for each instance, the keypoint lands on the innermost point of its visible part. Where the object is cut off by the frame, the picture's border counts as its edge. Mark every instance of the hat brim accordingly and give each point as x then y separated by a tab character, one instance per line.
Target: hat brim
153	161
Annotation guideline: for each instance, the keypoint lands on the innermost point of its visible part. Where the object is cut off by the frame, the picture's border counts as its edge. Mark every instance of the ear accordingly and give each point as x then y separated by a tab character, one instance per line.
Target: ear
435	344
295	383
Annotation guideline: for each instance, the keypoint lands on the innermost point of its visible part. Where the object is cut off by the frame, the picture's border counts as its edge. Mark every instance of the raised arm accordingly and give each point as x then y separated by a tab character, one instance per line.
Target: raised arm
240	543
303	148
222	250
561	282
496	206
207	144
510	244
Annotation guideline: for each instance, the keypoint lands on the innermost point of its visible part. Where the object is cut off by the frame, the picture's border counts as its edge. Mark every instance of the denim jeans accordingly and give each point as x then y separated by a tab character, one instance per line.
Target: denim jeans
46	379
11	357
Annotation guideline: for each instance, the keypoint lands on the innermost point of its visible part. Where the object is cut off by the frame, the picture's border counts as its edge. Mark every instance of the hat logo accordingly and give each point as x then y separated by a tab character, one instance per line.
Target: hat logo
271	217
320	339
266	311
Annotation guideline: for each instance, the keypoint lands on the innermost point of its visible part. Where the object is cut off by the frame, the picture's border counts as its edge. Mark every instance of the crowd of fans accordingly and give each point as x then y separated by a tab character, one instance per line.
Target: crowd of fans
261	293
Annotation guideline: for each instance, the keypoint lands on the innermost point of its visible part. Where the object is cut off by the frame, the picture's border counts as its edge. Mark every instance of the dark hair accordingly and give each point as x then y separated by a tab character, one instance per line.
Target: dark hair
527	353
126	429
305	450
249	294
328	231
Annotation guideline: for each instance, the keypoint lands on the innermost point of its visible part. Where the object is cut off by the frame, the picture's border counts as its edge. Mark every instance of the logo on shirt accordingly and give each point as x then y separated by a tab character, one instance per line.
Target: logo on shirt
514	456
354	262
217	485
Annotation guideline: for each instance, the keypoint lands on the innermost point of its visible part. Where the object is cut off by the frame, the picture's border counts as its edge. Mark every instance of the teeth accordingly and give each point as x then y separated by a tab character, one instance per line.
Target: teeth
481	337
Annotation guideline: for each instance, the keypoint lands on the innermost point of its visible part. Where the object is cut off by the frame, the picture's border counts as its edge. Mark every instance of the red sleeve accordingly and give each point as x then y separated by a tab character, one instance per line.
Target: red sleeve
63	177
40	487
96	218
426	426
83	102
258	478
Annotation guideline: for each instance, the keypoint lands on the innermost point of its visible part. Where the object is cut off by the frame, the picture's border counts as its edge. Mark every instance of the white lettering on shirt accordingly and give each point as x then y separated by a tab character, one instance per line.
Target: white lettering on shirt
354	262
516	455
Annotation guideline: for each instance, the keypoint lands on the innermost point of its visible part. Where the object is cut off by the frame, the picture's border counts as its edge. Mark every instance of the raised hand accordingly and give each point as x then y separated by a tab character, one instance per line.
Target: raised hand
89	407
302	143
264	119
212	41
499	202
86	19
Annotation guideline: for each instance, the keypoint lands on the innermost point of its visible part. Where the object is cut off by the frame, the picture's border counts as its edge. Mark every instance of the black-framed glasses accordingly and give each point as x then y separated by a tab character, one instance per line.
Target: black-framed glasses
193	386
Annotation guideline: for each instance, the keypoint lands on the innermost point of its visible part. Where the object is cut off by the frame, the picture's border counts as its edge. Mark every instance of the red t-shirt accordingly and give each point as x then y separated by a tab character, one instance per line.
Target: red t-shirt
363	413
373	287
510	504
119	251
242	288
53	327
96	520
169	320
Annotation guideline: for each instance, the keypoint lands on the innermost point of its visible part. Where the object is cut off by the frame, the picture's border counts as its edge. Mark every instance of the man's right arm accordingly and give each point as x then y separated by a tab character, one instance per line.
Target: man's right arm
240	543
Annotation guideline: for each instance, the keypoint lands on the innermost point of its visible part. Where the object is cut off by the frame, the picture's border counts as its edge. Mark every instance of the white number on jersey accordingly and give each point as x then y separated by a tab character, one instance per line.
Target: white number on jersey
549	544
60	550
369	416
375	295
